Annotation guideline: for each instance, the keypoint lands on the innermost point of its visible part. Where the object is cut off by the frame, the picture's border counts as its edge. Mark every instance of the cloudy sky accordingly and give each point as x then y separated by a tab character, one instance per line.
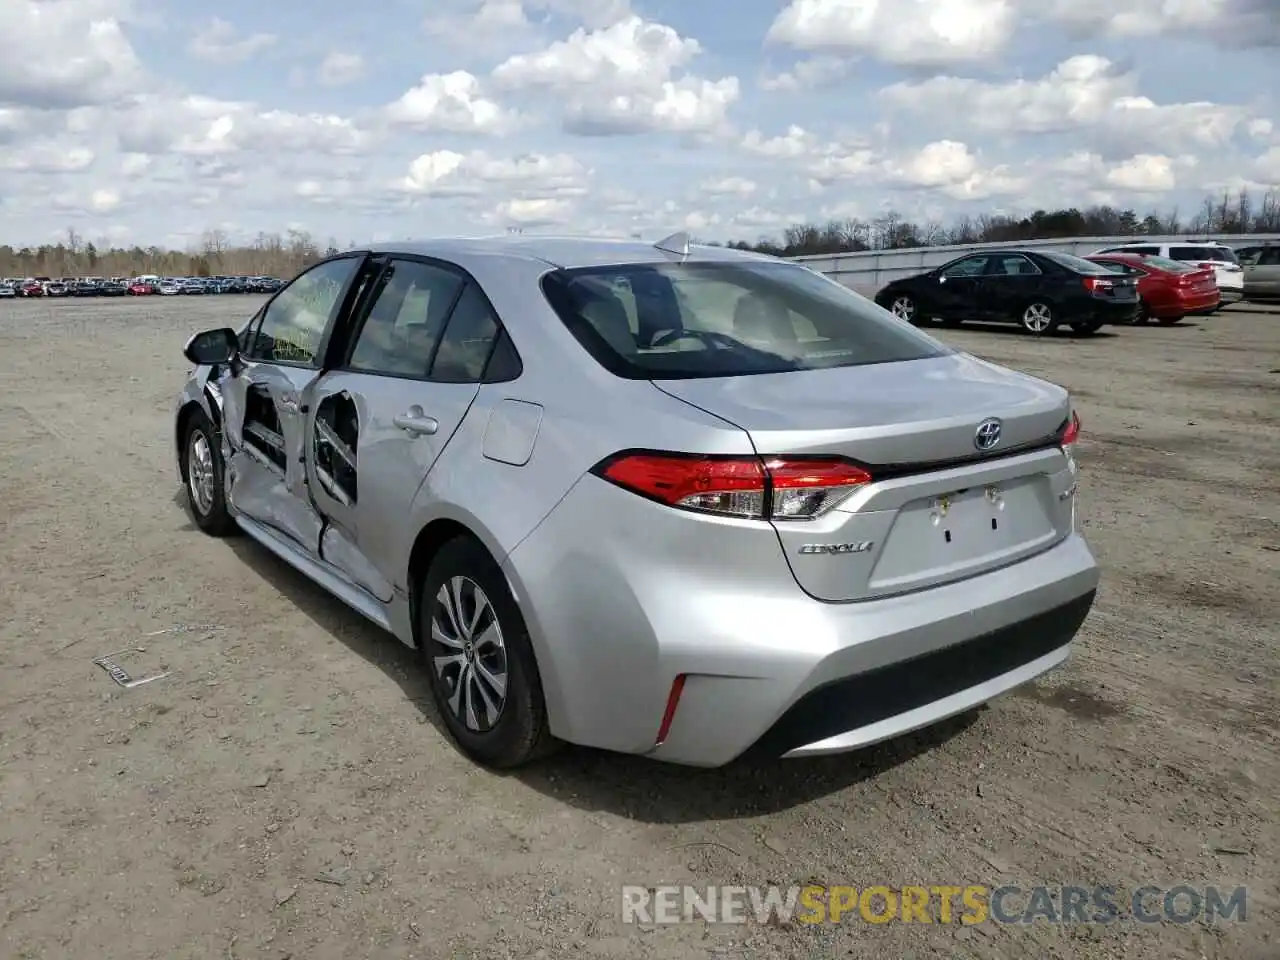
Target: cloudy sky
150	121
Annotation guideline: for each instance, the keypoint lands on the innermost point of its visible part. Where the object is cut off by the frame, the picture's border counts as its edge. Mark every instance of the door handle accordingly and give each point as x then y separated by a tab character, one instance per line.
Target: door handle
416	422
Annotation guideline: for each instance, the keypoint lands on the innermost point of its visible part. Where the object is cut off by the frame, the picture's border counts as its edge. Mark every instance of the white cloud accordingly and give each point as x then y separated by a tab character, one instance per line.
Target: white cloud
1247	22
728	187
623	79
796	142
104	201
49	158
339	69
65	53
219	42
538	212
106	120
1083	93
1144	173
809	74
450	102
448	173
908	32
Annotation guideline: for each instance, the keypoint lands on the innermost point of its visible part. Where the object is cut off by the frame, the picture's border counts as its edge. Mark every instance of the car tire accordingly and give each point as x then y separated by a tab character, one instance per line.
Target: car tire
1037	318
205	486
1144	314
904	307
464	583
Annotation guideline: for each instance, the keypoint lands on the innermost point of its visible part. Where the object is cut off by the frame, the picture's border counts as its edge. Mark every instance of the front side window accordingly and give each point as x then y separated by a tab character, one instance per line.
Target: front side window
726	319
294	322
968	267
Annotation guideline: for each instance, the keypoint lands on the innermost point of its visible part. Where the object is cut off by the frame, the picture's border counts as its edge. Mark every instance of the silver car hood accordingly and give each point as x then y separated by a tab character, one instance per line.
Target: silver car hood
918	411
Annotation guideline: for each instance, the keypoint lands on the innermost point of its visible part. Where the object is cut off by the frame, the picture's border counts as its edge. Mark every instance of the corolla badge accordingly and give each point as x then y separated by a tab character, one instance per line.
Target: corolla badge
988	434
832	549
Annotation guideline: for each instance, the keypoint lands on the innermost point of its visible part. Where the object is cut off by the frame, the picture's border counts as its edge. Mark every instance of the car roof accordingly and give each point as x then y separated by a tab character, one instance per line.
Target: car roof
565	252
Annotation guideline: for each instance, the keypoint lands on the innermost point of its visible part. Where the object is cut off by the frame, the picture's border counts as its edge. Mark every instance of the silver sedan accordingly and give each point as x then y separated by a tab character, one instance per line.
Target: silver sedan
672	500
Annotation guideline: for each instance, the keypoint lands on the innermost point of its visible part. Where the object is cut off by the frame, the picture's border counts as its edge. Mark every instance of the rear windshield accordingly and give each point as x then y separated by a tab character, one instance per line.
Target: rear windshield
1078	264
1173	266
685	320
1216	254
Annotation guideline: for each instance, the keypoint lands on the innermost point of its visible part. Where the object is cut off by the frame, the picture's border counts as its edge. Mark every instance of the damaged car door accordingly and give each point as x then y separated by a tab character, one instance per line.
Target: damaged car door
262	406
396	392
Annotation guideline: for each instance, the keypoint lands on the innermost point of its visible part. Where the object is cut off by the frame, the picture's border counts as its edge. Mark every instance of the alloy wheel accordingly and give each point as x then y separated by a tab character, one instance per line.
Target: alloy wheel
904	308
1037	318
470	657
200	472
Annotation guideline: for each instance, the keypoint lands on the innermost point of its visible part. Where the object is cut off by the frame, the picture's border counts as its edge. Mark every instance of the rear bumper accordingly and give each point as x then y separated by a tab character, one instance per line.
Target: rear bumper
1231	294
1188	304
1125	312
616	616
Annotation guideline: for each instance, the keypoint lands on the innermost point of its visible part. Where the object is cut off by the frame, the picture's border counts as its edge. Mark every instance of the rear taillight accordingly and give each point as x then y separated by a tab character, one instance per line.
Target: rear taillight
768	488
1097	284
1071	433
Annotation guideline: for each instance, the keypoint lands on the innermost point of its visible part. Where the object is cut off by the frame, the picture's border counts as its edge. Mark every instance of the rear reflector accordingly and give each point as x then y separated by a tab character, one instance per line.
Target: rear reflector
1072	433
773	488
669	715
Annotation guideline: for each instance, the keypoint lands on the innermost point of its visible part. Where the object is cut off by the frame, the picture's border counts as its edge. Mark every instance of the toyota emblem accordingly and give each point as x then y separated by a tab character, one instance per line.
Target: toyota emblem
987	435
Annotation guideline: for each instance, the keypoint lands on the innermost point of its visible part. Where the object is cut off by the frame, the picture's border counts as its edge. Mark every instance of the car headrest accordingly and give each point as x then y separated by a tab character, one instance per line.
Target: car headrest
758	316
605	312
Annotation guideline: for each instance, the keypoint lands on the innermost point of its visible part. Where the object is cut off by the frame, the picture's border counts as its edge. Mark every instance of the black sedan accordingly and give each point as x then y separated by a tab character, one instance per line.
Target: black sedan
1039	290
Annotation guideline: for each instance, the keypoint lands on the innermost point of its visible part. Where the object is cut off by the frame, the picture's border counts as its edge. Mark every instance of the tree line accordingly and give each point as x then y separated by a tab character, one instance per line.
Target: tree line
284	255
1229	213
213	255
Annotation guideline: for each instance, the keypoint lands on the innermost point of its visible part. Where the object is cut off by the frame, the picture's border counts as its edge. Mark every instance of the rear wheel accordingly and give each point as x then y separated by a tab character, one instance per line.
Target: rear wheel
1144	314
484	677
1038	319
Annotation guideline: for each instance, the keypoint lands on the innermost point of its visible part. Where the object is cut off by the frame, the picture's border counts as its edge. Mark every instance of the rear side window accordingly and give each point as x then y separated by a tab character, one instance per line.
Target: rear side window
1078	264
1215	254
1172	266
688	320
411	302
468	340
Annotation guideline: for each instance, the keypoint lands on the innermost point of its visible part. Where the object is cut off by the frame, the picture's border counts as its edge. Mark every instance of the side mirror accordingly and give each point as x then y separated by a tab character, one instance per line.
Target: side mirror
212	347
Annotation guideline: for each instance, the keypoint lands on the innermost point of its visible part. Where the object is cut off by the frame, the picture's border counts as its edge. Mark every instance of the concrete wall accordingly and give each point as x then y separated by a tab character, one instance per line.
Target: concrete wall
868	271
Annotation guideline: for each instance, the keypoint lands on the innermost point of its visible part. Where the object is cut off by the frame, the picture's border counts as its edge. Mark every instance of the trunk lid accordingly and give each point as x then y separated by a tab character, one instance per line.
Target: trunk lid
938	509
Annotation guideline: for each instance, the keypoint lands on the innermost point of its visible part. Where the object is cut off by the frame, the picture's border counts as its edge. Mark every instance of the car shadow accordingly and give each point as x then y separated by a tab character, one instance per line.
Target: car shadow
367	640
649	791
1013	330
632	787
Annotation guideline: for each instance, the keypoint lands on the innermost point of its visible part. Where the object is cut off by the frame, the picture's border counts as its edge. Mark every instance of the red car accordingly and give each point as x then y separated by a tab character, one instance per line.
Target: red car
1170	289
31	288
140	289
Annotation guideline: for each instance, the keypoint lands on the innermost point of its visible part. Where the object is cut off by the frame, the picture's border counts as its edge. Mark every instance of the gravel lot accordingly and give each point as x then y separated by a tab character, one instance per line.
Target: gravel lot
292	741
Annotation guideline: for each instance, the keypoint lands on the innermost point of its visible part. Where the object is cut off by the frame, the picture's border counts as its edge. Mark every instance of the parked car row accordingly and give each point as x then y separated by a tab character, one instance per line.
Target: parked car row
135	286
1042	290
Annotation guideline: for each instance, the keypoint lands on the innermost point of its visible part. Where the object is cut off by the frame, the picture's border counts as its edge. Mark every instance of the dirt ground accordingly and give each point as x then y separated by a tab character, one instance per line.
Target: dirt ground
286	792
